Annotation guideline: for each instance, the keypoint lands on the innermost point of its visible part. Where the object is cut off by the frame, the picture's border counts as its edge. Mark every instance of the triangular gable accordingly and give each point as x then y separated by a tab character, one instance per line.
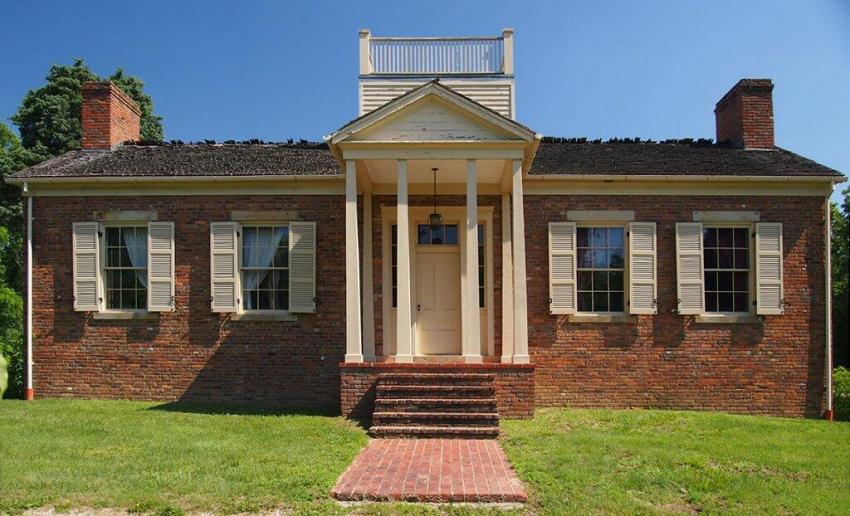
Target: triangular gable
432	112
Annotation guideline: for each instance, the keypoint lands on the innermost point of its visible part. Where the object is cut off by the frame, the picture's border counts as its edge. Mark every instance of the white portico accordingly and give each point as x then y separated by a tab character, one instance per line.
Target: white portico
438	280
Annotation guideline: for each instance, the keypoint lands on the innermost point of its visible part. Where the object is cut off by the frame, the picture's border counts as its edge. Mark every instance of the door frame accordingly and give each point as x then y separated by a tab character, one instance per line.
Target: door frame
419	215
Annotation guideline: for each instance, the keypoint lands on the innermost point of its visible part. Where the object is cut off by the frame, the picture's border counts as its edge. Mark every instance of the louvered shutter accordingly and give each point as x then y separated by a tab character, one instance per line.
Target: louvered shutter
769	289
562	267
302	267
224	266
642	268
160	266
689	272
86	265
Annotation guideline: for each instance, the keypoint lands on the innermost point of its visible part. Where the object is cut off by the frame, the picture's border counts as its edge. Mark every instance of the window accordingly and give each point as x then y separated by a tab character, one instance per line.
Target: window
445	235
394	264
601	268
126	268
482	264
726	265
265	268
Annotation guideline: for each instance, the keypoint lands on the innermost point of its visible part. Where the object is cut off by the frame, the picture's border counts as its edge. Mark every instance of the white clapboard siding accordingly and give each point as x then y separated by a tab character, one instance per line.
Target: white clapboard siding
302	267
495	95
160	266
689	271
224	266
86	265
642	268
769	289
430	121
562	267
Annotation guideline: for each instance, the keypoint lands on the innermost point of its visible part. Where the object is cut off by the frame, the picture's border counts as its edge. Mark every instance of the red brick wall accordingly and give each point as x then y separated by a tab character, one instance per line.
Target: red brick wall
744	115
110	116
669	360
514	385
191	353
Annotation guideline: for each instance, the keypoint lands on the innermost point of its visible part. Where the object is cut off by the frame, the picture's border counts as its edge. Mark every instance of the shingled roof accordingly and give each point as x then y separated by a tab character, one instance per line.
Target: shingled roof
554	157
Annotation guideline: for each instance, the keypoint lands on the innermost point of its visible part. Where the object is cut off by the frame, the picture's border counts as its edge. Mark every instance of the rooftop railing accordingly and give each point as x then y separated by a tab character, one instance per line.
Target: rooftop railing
436	56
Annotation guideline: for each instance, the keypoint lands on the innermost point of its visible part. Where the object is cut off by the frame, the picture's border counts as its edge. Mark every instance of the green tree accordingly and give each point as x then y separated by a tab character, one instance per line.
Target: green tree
49	118
840	281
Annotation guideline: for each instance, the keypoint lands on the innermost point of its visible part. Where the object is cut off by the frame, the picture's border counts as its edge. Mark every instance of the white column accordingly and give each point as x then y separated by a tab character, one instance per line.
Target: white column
520	297
368	285
353	344
507	283
471	316
404	321
30	393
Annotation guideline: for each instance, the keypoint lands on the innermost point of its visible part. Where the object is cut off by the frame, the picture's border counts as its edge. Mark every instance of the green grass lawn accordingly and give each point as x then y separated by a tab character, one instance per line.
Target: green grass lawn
649	461
90	454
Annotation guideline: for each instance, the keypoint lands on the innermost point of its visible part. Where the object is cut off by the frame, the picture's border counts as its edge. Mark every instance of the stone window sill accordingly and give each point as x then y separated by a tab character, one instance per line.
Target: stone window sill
603	318
728	319
264	316
126	316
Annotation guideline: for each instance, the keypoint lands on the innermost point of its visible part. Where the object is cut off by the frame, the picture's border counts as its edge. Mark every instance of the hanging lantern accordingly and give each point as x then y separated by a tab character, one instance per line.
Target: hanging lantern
435	220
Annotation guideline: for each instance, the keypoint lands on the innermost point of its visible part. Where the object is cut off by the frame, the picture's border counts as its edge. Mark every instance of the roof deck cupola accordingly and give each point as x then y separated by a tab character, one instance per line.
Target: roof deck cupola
481	68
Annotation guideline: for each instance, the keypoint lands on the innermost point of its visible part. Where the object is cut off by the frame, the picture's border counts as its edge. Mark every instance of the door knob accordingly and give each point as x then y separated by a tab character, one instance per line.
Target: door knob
418	308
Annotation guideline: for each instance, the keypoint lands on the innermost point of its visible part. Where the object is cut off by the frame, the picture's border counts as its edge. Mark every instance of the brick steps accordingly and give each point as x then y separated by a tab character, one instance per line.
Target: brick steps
438	405
431	431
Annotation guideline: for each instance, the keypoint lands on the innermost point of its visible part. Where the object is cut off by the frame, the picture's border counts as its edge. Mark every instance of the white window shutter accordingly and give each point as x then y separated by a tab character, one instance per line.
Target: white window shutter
302	267
689	271
224	266
562	267
642	268
769	289
86	266
160	266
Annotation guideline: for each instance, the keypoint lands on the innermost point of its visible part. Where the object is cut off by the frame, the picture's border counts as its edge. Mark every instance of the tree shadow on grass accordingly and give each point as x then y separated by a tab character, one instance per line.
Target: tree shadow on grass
241	409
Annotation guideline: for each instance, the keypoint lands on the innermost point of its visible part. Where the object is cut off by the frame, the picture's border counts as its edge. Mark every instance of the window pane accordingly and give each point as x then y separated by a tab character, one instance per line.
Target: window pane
112	236
599	237
724	280
125	257
710	280
711	301
438	235
424	235
266	280
724	302
741	259
281	257
615	238
724	237
616	259
480	232
394	234
741	281
600	280
585	280
265	300
617	302
141	299
585	301
451	234
709	237
480	298
709	258
741	302
395	297
583	237
128	279
600	301
113	299
600	259
480	255
615	280
585	258
281	300
742	237
725	259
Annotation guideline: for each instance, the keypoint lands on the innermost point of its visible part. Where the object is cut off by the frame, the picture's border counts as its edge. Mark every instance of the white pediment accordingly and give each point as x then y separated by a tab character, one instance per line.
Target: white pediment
430	120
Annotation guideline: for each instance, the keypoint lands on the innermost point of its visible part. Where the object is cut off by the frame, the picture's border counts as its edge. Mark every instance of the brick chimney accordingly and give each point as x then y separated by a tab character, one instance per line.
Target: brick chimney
745	115
110	116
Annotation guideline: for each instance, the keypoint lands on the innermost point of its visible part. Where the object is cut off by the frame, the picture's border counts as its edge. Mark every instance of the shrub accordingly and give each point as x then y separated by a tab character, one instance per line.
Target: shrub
841	398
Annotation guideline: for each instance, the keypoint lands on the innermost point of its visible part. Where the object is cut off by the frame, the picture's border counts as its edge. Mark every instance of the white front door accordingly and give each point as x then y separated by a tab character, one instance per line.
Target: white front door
438	300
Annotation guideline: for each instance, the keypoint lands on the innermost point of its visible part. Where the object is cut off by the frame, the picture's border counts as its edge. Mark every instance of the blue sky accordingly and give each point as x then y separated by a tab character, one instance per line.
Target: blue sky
276	70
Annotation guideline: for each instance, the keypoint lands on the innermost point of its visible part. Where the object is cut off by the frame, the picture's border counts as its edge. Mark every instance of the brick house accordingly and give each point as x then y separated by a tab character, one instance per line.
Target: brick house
434	262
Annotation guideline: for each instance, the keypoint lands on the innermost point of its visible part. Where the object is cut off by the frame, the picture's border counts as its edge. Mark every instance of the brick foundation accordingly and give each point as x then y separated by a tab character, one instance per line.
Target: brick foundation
514	385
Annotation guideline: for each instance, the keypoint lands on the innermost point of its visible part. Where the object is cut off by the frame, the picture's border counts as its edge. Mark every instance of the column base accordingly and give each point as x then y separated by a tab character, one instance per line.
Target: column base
522	359
508	360
356	359
473	359
29	394
404	359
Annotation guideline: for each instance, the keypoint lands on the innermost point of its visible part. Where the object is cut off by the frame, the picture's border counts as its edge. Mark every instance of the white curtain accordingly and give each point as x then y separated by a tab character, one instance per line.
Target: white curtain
258	249
136	241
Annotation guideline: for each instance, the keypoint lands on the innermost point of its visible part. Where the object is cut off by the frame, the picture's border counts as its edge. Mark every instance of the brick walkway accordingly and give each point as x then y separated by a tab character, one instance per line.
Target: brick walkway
431	470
